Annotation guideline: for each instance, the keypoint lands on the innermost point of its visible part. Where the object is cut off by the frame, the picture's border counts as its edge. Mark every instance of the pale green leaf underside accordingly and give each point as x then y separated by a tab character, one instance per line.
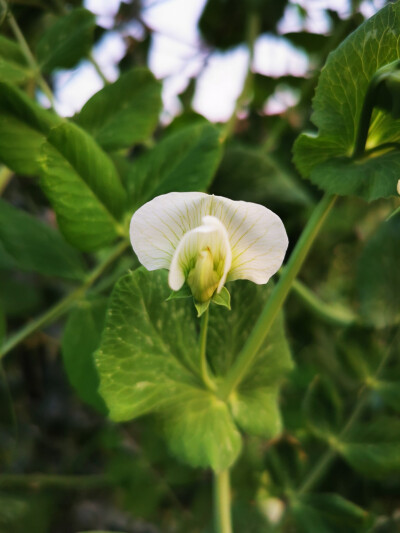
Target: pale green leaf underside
324	157
83	186
148	362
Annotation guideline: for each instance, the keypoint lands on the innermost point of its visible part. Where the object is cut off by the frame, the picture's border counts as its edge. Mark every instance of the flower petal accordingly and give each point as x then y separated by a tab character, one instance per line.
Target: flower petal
212	235
158	226
257	237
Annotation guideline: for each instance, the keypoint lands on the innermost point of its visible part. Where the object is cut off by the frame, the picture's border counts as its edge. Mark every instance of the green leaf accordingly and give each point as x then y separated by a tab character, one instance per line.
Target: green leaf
323	407
378	276
325	157
200	431
80	340
67	41
35	246
389	391
328	513
83	186
148	361
255	177
373	448
13	66
182	161
255	403
24	127
146	358
125	112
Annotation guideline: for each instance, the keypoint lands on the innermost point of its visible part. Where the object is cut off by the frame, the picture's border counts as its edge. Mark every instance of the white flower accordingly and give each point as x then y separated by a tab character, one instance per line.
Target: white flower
208	240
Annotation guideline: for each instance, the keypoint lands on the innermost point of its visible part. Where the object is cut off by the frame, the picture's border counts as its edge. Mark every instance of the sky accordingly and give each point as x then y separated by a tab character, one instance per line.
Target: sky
177	54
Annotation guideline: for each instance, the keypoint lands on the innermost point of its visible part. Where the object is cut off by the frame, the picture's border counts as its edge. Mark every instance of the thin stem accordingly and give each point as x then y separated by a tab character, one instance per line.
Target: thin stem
337	316
38	481
329	456
222	502
98	69
203	352
28	54
63	305
279	294
253	29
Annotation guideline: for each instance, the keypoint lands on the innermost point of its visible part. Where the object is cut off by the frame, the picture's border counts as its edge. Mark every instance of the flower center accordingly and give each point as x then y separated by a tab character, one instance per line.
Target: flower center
203	279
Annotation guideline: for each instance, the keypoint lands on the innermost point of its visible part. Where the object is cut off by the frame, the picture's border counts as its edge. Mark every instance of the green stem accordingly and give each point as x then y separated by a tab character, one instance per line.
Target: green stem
38	481
28	55
222	502
98	69
253	29
337	316
63	305
329	456
203	352
279	294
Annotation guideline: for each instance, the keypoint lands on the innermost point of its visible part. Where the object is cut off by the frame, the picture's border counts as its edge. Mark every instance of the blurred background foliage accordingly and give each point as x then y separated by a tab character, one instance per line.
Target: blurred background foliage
65	467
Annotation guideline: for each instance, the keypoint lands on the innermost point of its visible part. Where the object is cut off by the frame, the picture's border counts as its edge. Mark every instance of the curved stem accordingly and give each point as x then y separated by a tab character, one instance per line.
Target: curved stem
328	457
28	55
203	352
337	316
222	502
278	296
63	305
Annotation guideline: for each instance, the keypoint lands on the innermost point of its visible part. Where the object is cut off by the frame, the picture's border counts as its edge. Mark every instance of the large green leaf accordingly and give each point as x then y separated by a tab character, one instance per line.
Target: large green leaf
328	513
83	186
255	177
67	41
13	66
373	448
148	361
325	157
378	276
125	112
80	340
255	402
182	161
36	246
24	126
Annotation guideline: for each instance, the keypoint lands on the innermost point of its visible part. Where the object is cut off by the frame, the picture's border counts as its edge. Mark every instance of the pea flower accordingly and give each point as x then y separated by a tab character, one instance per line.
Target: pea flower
206	240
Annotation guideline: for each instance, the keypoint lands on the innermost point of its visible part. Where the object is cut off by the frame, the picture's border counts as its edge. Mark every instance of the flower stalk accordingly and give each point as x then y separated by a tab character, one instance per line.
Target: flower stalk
222	502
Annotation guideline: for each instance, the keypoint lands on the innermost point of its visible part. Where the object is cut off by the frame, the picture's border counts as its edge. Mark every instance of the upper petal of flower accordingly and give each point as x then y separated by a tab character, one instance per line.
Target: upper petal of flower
158	226
257	237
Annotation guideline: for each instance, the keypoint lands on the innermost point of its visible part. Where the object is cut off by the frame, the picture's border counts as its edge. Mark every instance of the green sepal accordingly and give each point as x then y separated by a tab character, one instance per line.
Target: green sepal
223	298
184	292
201	307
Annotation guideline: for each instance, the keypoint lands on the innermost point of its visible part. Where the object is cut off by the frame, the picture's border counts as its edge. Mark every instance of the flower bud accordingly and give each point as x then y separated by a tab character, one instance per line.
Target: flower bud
203	279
